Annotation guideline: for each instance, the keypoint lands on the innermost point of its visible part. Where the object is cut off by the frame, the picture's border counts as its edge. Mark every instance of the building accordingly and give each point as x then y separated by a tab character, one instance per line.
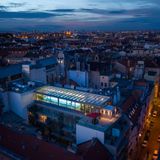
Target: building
111	129
67	114
80	77
43	70
139	70
18	96
9	74
65	107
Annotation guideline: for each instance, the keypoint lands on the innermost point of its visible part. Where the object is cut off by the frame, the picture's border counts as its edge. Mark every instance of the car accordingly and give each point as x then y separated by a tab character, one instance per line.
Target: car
144	144
155	155
158	140
155	114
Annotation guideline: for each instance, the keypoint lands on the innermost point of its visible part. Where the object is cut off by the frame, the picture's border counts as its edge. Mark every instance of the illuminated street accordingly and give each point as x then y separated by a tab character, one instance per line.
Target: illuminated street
146	153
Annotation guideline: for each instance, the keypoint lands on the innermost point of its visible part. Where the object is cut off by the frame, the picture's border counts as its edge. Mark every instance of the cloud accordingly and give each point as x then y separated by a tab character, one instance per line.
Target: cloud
29	15
63	10
10	6
81	14
15	5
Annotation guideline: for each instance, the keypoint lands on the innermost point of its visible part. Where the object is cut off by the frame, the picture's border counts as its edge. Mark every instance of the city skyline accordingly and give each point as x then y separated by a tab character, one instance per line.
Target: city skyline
88	15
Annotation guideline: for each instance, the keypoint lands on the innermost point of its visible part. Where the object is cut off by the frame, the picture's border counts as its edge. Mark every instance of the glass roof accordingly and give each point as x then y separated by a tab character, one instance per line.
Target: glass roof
74	95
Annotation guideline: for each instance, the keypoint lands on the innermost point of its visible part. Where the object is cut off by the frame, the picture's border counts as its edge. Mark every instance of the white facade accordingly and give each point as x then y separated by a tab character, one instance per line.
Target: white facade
94	79
104	81
38	74
139	70
79	77
19	102
84	134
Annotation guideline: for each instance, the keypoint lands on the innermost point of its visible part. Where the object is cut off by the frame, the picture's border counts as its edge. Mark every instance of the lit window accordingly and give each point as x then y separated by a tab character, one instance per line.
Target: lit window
54	100
78	105
62	102
69	104
73	105
42	118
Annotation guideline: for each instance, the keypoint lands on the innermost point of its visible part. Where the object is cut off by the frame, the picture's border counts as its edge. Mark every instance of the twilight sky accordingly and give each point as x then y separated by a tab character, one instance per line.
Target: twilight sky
54	15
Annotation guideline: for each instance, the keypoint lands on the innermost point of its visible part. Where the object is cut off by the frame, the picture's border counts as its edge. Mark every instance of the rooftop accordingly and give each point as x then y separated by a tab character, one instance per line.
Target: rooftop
22	86
10	70
74	95
109	107
103	122
27	145
92	149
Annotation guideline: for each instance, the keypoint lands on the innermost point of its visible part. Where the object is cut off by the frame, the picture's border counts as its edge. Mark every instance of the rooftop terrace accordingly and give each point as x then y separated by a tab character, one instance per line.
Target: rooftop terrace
103	122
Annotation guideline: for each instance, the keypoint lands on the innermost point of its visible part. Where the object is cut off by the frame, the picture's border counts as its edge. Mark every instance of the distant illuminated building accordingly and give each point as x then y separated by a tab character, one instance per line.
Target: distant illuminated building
68	33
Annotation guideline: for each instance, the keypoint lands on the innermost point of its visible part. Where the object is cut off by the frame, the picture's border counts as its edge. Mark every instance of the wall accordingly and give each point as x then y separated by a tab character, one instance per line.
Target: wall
4	96
19	101
104	80
38	75
51	74
26	70
79	77
84	134
94	79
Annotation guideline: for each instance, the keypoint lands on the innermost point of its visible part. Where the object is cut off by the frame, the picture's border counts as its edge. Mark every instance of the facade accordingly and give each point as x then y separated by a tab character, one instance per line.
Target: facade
80	77
139	70
43	70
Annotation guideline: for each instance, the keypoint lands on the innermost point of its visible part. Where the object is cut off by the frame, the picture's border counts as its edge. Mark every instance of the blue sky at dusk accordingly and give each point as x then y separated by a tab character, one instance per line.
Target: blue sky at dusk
54	15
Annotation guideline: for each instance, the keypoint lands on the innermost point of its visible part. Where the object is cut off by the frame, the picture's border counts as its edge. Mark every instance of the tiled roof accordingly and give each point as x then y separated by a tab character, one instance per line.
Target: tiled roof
32	148
131	106
93	150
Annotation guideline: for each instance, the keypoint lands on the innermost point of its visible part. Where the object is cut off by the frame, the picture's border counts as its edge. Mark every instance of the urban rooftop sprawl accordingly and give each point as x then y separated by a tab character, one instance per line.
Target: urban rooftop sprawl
77	95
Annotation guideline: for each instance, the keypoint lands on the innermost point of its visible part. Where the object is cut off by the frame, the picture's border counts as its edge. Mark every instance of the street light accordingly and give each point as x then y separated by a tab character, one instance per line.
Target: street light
140	134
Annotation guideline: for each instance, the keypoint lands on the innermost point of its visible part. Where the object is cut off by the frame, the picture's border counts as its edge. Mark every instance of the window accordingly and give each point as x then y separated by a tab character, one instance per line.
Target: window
78	106
54	100
152	73
42	118
47	98
82	108
39	97
69	104
73	105
62	102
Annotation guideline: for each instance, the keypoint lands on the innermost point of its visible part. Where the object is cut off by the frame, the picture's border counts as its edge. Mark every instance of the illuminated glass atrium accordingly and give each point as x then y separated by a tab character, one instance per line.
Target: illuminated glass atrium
71	99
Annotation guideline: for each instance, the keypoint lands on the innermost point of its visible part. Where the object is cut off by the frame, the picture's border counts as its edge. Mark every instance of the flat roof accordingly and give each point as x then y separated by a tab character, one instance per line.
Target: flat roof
74	95
109	107
10	70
